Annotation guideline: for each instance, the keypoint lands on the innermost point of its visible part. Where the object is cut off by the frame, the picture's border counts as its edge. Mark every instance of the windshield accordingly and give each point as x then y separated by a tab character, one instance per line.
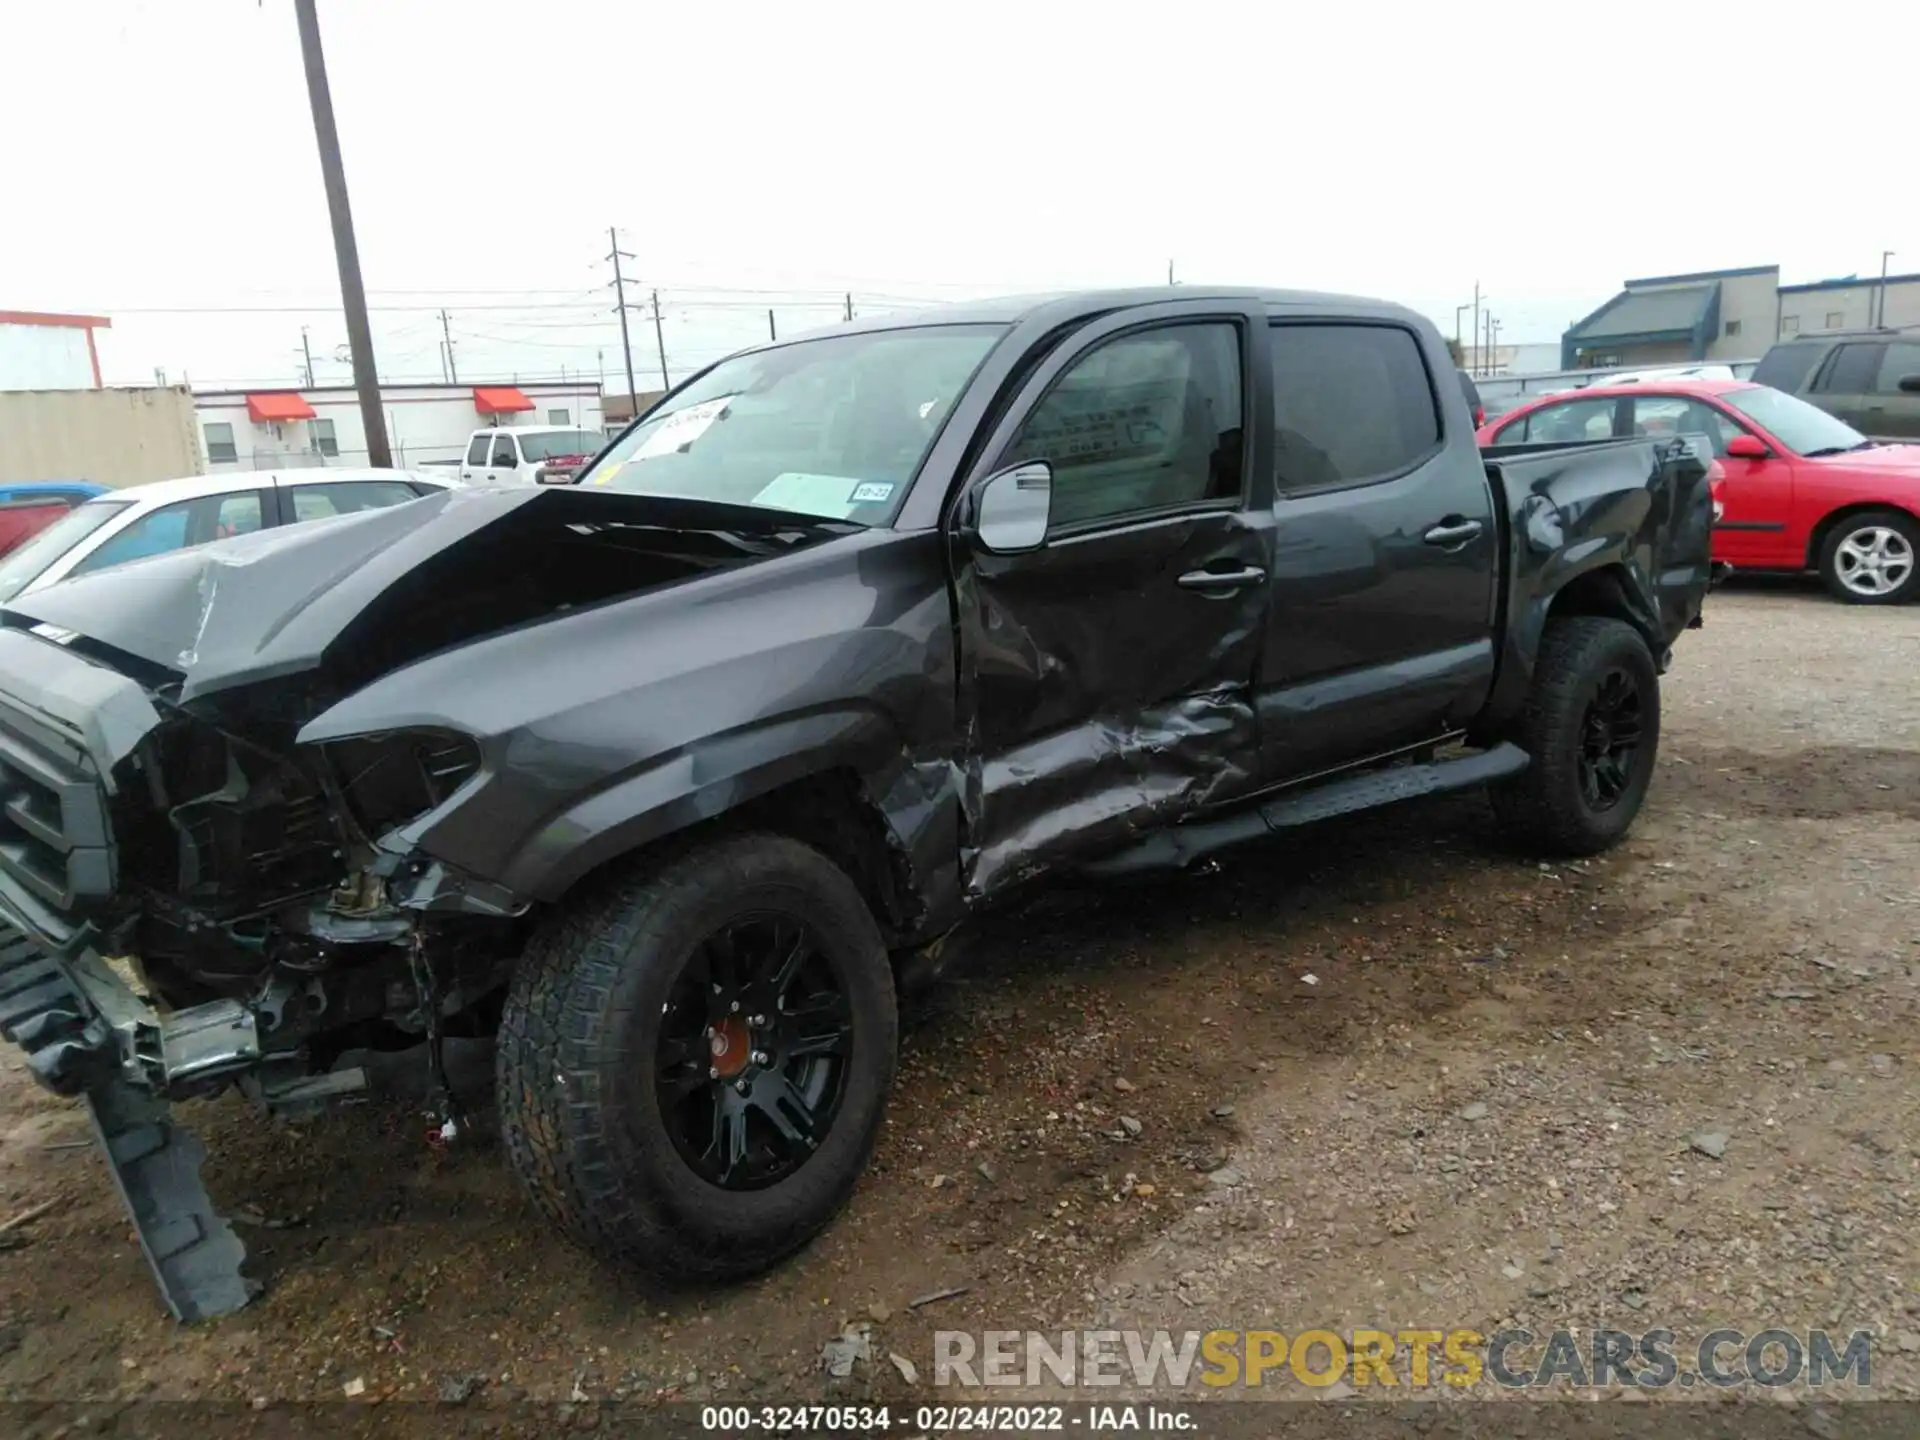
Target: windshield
561	442
1802	428
834	427
30	561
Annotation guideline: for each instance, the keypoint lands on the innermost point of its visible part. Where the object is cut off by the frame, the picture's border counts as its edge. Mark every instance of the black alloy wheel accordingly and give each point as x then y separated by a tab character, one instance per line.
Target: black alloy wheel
1591	725
695	1055
1610	740
752	1058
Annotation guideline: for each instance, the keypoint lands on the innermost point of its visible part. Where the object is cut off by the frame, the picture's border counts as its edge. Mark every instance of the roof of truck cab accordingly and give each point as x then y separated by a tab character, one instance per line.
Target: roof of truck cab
1067	305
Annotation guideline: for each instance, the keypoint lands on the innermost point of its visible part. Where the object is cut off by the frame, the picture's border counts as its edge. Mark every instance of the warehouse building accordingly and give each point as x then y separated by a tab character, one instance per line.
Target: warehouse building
1728	315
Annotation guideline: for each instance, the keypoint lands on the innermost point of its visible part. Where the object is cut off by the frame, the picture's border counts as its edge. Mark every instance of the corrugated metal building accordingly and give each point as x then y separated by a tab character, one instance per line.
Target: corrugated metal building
112	437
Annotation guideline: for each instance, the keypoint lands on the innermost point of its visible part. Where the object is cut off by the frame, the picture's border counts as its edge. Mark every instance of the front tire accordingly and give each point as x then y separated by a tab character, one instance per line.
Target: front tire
694	1062
1592	726
1873	558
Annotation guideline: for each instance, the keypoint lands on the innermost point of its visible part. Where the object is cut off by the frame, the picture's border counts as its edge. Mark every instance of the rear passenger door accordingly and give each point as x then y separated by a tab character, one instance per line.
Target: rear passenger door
1380	631
1844	386
1892	413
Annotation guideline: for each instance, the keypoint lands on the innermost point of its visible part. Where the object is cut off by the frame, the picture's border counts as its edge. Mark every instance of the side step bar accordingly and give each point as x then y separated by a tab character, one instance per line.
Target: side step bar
1180	845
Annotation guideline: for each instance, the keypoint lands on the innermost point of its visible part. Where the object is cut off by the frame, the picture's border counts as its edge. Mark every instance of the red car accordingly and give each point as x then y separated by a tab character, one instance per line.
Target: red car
1798	489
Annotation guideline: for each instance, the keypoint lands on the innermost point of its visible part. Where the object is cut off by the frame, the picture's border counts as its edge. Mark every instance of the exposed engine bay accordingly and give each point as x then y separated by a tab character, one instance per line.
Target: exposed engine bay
253	877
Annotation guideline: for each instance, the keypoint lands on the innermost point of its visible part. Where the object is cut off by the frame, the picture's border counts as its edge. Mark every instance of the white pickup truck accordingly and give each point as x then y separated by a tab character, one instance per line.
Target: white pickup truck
529	455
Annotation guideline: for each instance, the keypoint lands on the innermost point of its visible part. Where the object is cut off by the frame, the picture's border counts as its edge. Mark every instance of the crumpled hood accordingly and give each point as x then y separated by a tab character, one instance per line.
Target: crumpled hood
269	604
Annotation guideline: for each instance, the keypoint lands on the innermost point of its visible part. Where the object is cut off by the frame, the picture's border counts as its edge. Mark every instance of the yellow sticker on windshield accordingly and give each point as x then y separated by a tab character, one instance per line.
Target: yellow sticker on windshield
607	472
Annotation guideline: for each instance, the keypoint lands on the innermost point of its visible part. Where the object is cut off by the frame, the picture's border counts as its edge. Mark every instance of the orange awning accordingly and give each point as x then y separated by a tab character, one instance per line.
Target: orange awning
279	405
499	400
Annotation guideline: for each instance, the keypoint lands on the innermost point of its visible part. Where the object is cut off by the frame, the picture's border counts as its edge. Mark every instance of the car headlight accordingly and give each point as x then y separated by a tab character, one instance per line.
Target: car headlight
393	777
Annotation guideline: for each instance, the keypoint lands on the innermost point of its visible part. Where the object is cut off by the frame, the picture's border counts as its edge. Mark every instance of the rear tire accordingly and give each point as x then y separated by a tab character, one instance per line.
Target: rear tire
1592	726
618	1018
1873	558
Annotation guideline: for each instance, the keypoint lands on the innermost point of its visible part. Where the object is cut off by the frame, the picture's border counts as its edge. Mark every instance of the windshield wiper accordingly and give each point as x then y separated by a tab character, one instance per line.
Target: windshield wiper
1825	450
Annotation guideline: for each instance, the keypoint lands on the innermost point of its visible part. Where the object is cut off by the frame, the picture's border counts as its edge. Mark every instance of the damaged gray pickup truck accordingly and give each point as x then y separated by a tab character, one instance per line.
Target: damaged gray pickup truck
673	777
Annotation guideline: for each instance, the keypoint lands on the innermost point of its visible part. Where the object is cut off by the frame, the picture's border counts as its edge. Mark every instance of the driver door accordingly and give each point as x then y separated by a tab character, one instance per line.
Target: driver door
1107	672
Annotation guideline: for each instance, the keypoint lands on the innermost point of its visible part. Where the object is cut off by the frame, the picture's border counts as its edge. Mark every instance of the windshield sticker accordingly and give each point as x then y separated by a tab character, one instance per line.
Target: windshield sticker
825	495
874	492
681	428
606	472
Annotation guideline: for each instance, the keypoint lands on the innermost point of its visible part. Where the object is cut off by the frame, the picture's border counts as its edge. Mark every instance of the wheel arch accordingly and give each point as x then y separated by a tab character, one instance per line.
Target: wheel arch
1823	529
1604	589
826	795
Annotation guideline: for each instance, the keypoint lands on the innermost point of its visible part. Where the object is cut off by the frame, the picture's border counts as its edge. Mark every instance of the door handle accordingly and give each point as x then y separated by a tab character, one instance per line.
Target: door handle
1457	532
1216	582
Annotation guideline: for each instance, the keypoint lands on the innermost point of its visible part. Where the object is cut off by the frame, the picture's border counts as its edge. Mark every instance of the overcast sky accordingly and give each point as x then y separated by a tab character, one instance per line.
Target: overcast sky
160	155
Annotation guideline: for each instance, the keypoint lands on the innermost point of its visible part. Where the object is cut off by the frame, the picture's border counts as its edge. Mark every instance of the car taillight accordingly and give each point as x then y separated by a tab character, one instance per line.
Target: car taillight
1479	416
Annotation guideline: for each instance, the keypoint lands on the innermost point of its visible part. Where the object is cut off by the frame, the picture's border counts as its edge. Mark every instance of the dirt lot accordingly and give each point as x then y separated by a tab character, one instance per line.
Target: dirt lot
1464	1089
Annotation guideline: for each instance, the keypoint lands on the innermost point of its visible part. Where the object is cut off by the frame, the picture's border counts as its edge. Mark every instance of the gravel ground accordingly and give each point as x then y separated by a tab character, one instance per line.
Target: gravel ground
1450	1087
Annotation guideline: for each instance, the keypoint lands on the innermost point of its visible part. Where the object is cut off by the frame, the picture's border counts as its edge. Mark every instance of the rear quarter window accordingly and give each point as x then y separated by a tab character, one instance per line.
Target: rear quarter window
1353	404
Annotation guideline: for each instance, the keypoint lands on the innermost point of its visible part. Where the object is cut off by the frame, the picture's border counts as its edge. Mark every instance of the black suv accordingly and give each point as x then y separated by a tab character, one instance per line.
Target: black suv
1868	378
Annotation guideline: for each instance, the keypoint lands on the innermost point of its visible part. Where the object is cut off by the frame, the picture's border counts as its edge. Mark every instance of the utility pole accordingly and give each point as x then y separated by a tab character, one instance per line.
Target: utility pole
660	340
616	254
446	331
849	305
1170	279
1493	346
1885	255
1475	366
353	294
772	334
307	351
1458	311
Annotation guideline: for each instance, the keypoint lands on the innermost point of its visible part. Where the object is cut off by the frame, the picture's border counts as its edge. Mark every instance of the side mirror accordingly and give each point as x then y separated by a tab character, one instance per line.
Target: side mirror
1748	447
1013	508
1910	384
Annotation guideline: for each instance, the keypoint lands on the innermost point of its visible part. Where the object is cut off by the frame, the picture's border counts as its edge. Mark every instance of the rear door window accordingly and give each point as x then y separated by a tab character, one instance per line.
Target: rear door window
503	452
1852	370
317	502
1352	403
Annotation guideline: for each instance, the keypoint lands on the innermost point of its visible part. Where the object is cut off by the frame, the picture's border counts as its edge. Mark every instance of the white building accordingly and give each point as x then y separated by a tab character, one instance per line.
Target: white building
39	351
280	429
